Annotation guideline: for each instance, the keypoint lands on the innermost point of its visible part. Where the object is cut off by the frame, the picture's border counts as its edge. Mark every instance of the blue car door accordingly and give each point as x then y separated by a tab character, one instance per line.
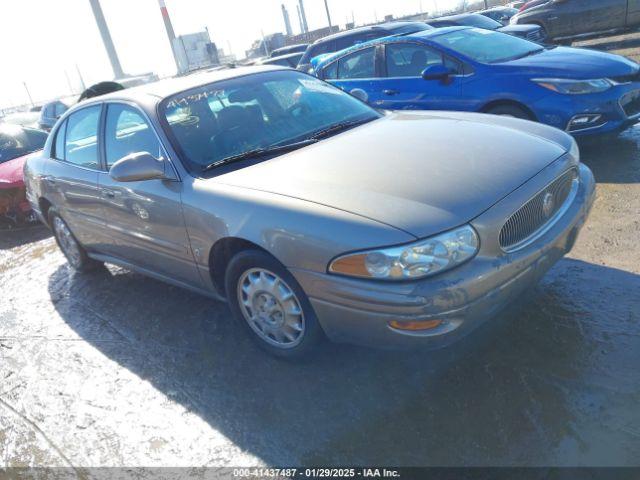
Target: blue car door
401	86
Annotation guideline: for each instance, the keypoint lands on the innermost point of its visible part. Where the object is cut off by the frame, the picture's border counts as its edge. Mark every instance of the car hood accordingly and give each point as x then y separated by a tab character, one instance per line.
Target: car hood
567	62
419	172
521	29
11	172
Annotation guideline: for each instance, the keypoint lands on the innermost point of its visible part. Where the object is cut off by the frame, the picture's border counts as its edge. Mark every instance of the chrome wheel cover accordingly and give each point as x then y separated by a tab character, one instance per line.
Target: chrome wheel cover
67	243
271	308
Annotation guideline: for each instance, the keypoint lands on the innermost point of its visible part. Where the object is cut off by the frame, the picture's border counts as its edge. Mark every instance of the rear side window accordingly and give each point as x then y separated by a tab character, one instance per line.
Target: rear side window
58	149
128	132
81	139
360	64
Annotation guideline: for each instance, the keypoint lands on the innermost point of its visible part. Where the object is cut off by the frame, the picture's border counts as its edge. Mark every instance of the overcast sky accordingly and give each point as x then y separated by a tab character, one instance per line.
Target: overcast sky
44	40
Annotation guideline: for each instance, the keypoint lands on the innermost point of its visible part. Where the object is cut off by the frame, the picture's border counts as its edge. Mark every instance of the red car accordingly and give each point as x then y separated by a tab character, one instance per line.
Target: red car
16	144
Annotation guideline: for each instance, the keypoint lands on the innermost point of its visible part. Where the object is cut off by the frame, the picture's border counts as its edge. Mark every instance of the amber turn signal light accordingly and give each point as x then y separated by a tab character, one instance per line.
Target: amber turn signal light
415	326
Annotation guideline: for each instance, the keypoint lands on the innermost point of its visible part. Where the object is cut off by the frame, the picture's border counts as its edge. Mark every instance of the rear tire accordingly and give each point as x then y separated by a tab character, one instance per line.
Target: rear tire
270	304
510	111
75	254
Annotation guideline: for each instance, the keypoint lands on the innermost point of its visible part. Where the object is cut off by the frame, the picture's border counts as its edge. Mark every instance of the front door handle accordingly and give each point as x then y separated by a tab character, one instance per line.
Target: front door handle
390	92
109	193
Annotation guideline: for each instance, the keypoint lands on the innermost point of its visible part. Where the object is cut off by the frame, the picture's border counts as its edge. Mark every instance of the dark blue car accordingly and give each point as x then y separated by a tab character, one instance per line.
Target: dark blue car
458	68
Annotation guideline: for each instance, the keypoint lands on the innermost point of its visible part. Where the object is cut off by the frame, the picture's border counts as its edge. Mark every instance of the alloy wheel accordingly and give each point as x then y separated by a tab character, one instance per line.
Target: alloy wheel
68	244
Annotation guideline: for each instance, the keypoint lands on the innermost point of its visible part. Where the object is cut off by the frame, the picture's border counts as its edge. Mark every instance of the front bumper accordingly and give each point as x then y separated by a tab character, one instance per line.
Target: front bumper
359	312
558	110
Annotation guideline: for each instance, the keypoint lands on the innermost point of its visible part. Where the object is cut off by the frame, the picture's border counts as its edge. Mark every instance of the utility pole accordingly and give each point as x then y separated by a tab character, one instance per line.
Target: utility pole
84	87
326	6
486	4
106	38
170	32
28	93
69	82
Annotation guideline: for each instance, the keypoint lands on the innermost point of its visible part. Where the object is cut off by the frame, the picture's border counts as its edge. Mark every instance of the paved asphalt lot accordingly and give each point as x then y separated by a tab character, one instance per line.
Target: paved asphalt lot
113	369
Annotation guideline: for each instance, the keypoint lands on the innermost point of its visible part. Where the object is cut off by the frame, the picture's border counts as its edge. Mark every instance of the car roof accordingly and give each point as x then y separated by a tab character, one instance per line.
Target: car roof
167	87
285	56
369	28
424	35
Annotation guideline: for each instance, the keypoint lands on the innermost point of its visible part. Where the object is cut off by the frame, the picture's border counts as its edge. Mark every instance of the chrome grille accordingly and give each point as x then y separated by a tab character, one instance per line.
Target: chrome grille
538	213
535	36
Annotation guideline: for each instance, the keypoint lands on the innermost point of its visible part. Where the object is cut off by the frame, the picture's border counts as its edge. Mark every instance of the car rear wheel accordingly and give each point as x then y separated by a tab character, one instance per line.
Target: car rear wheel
75	254
266	299
510	111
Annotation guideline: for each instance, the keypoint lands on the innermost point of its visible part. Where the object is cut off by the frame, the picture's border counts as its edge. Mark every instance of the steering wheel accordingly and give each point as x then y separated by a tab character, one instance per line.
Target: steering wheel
300	107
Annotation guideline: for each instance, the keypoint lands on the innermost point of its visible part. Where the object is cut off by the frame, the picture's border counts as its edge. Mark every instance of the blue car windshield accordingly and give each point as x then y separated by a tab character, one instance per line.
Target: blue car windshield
267	110
486	46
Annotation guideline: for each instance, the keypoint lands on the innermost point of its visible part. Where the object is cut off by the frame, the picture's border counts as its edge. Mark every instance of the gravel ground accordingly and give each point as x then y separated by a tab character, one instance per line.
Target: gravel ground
114	369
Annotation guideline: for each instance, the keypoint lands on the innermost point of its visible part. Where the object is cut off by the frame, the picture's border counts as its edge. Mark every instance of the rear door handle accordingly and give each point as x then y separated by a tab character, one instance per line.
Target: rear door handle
109	193
390	92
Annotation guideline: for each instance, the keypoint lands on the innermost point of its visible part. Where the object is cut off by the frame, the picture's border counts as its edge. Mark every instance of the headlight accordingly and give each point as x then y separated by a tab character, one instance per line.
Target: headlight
575	150
408	262
574	87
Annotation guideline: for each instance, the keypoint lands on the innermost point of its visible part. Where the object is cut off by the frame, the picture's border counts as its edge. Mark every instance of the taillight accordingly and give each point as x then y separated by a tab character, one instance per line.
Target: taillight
525	6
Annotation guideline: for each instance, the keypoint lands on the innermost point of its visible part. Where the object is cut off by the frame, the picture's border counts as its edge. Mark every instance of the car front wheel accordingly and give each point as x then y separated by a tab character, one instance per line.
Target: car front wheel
266	299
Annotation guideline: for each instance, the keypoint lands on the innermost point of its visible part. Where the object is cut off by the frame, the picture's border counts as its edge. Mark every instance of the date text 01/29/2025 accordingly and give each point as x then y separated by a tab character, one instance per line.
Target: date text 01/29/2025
315	473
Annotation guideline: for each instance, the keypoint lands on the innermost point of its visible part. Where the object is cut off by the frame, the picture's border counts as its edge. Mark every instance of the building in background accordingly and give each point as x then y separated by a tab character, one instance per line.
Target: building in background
195	51
264	46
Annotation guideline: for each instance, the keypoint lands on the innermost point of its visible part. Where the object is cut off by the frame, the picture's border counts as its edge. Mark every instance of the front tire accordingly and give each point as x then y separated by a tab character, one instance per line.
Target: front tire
510	111
268	301
75	254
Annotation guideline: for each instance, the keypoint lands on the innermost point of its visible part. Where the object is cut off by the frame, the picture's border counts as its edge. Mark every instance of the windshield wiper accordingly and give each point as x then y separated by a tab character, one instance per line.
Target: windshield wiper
259	152
336	128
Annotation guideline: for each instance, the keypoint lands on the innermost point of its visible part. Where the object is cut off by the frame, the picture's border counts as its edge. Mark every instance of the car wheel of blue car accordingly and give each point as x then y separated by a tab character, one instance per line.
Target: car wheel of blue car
510	111
267	299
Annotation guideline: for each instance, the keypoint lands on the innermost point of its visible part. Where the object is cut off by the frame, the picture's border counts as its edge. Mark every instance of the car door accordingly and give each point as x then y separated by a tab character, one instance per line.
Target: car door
599	15
72	175
145	218
577	17
402	86
356	73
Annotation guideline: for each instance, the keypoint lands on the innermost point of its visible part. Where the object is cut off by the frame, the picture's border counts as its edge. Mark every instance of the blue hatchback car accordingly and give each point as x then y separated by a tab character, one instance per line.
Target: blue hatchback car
459	68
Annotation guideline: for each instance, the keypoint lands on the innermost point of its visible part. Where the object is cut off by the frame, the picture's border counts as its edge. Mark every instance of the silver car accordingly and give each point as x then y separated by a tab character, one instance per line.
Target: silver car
313	214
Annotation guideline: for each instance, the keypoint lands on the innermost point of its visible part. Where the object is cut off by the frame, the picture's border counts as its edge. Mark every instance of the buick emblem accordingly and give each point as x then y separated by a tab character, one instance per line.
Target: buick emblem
548	204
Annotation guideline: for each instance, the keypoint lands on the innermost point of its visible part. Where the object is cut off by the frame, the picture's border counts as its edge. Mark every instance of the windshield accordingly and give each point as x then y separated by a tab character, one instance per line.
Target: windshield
228	118
480	21
486	46
17	142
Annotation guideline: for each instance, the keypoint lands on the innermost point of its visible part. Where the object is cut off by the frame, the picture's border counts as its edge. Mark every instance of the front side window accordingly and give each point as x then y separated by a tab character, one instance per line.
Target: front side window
81	142
360	64
128	132
410	59
212	123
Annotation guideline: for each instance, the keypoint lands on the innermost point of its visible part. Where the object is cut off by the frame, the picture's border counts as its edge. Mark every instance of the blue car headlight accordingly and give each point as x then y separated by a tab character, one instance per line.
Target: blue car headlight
574	87
409	262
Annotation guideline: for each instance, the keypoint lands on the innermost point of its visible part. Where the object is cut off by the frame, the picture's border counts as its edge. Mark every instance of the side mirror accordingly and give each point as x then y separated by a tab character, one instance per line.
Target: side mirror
137	167
437	72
